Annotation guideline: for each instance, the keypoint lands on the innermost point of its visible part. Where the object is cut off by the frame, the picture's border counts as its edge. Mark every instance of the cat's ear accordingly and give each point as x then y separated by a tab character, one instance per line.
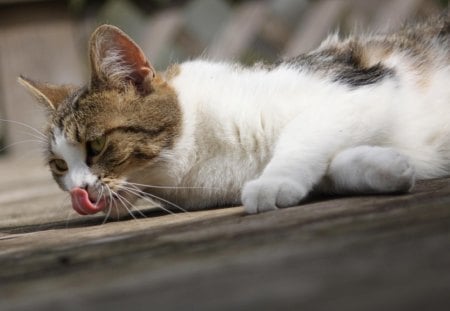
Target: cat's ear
46	94
118	61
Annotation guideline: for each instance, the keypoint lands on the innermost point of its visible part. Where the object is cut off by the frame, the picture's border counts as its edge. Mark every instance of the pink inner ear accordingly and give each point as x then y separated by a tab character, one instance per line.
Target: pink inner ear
133	56
118	60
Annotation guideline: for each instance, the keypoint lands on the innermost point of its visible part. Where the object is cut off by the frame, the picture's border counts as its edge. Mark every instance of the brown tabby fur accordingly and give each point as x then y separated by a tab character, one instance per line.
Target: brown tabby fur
138	122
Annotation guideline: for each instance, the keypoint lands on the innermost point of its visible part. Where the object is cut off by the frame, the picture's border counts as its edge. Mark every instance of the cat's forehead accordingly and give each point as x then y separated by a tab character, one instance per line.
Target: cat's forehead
70	105
67	130
73	99
60	142
99	100
67	121
86	113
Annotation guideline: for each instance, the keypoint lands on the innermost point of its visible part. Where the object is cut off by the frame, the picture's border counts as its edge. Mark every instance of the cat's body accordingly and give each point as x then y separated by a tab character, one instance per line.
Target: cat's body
365	115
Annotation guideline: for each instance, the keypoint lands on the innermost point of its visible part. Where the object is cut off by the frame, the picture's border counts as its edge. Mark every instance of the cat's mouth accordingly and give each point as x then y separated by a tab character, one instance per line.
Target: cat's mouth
83	205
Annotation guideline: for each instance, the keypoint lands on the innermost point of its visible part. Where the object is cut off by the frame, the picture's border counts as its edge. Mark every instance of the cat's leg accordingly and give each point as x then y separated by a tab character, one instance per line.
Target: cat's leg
370	169
298	164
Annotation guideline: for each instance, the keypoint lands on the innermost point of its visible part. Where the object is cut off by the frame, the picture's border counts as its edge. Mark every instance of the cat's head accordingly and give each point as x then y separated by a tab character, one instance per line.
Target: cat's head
120	123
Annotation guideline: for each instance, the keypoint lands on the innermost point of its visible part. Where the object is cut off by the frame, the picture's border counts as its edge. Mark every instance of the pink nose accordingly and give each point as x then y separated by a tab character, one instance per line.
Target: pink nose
81	203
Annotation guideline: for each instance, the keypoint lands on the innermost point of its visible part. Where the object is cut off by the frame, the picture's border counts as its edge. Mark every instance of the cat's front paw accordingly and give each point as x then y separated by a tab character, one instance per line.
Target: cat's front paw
267	194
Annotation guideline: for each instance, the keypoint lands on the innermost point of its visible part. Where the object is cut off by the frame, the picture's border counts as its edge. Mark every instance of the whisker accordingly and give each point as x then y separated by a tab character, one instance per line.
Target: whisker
68	211
167	187
139	191
113	205
40	138
143	197
20	142
101	193
131	204
108	213
25	125
124	200
124	204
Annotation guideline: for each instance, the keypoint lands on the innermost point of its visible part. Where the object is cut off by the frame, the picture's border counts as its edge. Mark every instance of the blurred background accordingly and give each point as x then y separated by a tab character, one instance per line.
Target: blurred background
47	40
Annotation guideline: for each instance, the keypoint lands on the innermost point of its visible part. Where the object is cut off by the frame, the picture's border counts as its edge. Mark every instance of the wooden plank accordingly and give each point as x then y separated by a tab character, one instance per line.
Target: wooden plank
285	259
47	263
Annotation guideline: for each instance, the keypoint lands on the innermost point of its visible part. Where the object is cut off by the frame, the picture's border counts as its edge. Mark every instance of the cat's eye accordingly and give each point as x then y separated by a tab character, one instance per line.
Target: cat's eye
58	165
95	146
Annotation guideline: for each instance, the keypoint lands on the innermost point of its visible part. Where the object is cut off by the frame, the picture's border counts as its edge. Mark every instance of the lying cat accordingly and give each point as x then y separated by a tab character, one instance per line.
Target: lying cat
367	114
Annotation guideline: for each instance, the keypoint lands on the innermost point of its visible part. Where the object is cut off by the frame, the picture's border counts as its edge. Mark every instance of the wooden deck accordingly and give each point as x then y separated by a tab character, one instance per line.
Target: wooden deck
358	253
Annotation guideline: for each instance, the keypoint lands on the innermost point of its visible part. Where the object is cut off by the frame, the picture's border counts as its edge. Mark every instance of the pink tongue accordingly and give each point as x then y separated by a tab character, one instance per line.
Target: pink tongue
82	204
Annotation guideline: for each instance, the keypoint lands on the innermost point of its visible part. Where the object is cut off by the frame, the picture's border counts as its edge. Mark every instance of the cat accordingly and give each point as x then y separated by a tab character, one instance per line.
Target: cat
362	115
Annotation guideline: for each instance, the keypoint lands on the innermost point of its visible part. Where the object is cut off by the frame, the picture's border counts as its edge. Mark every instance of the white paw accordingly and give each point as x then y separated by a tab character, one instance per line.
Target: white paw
394	175
267	194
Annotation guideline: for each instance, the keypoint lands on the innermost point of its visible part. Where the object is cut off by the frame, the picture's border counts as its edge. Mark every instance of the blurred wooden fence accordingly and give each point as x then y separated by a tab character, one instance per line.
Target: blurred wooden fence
46	41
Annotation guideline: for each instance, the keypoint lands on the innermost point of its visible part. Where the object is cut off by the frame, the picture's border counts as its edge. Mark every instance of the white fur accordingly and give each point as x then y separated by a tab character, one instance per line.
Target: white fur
371	169
78	174
277	132
114	67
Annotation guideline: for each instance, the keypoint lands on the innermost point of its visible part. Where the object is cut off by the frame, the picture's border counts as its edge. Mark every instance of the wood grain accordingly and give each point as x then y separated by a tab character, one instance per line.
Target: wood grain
352	253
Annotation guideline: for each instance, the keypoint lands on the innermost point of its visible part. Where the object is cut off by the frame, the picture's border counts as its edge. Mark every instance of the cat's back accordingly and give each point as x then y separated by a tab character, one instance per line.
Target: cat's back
418	49
397	75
